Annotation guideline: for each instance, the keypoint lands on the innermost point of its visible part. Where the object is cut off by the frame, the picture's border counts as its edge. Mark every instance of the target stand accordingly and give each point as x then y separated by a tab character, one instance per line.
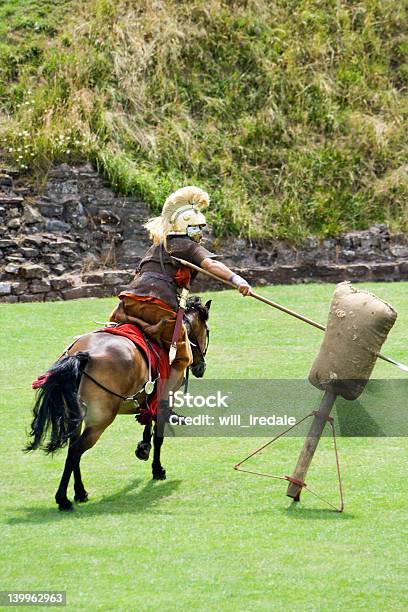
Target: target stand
297	481
357	326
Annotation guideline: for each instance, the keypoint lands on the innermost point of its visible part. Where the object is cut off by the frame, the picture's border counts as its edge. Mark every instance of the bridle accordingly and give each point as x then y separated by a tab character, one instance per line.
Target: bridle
193	338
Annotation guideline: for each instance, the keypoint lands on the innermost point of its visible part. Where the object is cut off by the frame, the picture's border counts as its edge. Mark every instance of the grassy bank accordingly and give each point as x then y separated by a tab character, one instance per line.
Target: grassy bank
291	113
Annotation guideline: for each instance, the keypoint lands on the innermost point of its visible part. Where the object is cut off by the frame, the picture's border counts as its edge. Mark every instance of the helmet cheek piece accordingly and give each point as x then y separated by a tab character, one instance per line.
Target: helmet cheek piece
195	232
188	222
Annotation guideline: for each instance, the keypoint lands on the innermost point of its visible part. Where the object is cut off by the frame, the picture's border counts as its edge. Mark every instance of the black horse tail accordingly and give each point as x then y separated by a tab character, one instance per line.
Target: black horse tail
56	407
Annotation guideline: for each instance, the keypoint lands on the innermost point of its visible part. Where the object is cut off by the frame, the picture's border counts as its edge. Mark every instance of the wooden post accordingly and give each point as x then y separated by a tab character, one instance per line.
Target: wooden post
310	445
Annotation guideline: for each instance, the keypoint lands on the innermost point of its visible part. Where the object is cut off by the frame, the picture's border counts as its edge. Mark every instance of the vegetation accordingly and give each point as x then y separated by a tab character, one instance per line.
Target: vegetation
207	538
291	113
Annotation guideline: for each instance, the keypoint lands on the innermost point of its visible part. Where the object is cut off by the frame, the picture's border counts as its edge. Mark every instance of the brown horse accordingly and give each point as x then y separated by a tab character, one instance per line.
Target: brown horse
77	408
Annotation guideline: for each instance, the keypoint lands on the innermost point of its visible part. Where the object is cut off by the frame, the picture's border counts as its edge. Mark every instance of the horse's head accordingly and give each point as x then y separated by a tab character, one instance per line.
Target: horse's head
195	320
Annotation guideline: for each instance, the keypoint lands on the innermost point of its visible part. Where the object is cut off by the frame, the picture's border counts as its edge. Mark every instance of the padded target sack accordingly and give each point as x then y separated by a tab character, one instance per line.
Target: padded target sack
357	327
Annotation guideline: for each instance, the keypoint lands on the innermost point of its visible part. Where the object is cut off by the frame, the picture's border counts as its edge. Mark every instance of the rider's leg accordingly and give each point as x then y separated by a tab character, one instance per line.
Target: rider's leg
184	358
153	313
153	331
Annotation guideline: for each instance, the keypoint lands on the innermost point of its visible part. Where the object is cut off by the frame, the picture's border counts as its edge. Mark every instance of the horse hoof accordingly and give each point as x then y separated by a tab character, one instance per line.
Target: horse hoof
159	474
65	505
81	498
142	451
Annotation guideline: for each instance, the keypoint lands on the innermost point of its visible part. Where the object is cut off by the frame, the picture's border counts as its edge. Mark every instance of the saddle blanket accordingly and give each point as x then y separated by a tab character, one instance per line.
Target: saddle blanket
160	366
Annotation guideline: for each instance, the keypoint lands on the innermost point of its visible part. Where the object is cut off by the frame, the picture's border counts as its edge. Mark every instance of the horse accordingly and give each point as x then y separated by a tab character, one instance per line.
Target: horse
85	389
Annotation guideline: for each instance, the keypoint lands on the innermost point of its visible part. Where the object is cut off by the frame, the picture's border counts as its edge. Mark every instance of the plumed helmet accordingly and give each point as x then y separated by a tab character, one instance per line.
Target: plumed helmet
181	211
183	208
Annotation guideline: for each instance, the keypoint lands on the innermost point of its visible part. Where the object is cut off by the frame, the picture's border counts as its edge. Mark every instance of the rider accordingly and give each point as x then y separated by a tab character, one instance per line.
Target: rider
153	295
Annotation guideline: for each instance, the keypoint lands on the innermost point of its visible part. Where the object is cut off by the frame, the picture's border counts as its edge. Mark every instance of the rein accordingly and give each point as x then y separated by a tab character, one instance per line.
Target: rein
194	341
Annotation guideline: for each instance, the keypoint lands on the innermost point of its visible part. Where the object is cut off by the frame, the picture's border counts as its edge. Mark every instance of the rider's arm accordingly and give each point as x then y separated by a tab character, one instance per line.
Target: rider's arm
221	270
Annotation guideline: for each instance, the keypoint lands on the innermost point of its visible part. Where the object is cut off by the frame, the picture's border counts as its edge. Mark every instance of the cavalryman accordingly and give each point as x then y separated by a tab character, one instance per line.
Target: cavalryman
154	295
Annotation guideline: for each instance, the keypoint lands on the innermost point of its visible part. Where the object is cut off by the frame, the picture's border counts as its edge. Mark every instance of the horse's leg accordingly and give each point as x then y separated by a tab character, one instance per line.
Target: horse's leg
80	493
159	473
61	495
143	448
87	440
90	436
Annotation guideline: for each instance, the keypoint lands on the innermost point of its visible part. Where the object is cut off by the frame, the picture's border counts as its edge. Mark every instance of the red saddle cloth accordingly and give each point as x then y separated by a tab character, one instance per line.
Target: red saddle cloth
160	366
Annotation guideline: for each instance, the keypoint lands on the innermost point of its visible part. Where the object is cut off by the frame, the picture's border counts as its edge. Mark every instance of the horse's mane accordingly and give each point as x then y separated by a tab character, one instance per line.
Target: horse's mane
194	303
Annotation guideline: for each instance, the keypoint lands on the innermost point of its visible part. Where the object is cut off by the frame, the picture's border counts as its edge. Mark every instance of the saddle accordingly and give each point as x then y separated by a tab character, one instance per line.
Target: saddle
152	331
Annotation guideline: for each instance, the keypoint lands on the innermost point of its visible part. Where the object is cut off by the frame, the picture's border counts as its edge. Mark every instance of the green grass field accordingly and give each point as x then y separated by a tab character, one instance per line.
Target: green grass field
207	538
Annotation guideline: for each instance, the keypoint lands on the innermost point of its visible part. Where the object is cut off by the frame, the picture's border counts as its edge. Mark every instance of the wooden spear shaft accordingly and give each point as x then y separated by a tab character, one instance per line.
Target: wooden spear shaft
288	311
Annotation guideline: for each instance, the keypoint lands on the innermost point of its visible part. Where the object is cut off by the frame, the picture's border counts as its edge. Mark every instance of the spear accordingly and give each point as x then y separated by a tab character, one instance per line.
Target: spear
288	311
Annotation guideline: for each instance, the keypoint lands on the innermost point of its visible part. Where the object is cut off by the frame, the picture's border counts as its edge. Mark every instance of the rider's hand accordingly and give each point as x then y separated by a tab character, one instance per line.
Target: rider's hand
243	287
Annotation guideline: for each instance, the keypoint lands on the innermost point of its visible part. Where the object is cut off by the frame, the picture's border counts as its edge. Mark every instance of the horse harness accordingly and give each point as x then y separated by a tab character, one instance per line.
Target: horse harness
140	397
193	339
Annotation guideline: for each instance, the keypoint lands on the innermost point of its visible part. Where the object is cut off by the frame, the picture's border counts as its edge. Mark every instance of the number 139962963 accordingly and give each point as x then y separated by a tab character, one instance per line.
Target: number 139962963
33	598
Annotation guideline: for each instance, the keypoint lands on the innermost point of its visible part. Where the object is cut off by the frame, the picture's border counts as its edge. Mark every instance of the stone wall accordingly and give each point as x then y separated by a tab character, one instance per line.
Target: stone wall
76	238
